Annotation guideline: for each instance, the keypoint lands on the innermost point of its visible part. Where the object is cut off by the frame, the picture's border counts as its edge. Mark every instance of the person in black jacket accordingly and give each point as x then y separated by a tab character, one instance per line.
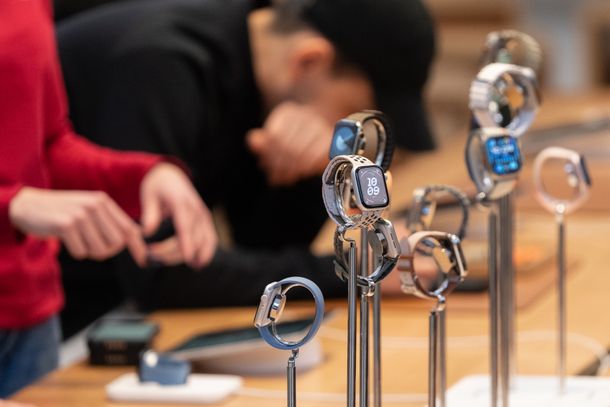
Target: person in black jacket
247	97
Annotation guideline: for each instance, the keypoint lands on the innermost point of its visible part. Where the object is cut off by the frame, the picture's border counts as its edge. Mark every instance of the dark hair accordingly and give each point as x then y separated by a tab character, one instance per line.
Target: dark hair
290	18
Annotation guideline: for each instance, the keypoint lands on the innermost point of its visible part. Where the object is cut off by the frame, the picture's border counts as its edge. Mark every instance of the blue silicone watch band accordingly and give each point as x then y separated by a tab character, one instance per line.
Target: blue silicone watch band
267	332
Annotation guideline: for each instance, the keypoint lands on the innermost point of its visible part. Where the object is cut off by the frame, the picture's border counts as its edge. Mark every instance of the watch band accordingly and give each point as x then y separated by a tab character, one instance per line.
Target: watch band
381	148
483	94
269	333
386	248
578	170
492	186
337	172
450	245
424	206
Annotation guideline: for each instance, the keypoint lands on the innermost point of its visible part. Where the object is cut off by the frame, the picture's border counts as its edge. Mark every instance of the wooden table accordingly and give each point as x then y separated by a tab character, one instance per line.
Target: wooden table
405	320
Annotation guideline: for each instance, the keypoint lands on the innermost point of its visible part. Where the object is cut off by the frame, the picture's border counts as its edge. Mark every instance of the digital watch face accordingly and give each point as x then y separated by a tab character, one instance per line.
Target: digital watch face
372	187
503	155
344	139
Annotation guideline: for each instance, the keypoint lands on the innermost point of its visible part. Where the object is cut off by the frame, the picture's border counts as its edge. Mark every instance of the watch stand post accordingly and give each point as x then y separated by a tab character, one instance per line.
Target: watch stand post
561	297
351	325
291	376
364	320
437	369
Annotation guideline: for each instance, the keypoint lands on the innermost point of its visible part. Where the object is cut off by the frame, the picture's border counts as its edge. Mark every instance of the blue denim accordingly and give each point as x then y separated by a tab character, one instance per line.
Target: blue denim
28	354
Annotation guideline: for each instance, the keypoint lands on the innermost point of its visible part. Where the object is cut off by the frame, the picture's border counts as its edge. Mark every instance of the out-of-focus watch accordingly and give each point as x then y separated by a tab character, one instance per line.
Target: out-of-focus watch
366	133
505	95
272	304
369	190
446	251
512	47
578	178
424	204
493	159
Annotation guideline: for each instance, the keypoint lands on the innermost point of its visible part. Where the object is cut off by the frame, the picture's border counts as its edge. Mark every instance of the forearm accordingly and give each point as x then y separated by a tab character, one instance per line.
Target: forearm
77	164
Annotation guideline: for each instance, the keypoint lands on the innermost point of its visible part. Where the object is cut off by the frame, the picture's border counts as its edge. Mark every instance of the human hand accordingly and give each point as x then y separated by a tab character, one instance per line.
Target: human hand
90	224
293	144
6	403
167	191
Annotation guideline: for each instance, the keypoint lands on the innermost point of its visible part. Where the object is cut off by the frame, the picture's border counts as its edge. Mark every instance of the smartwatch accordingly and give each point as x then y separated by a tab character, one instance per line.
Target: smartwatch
505	95
512	47
446	250
369	188
424	204
366	133
272	304
385	247
493	159
578	178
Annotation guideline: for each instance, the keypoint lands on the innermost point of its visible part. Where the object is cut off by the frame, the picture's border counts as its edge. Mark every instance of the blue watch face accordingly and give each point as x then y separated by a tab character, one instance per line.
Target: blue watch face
503	155
344	139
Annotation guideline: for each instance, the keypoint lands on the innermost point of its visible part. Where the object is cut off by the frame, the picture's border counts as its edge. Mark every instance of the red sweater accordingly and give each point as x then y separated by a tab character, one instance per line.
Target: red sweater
38	148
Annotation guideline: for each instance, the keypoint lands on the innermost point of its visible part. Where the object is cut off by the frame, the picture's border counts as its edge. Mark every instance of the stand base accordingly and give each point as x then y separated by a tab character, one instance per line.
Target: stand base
534	391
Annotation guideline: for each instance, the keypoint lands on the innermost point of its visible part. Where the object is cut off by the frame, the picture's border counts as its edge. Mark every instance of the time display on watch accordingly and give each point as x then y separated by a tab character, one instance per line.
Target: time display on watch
372	187
503	155
344	139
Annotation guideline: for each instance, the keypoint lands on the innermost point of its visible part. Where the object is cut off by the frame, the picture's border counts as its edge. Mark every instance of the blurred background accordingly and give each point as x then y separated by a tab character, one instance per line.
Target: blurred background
574	35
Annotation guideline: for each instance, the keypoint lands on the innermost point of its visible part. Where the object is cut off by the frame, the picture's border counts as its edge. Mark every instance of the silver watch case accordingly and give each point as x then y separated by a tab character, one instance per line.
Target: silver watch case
493	186
453	264
341	171
578	176
271	305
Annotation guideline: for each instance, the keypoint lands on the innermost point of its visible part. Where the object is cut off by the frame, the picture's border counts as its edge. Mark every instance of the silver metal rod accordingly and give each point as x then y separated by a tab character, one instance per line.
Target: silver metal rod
505	304
364	321
493	305
432	358
561	302
442	357
352	306
511	300
291	373
377	389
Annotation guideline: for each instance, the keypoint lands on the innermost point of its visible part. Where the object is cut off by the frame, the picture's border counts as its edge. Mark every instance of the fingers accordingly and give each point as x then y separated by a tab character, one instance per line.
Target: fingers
130	232
5	403
97	228
152	215
167	252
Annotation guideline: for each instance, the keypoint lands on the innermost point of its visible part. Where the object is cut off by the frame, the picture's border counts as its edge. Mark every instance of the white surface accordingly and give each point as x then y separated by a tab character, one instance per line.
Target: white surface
200	388
534	391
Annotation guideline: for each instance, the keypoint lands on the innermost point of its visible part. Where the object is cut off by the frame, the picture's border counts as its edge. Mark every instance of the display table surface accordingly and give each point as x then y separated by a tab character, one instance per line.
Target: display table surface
405	320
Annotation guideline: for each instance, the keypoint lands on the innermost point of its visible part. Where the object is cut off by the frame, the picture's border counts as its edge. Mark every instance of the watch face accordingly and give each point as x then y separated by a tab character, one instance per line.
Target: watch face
503	155
344	139
372	187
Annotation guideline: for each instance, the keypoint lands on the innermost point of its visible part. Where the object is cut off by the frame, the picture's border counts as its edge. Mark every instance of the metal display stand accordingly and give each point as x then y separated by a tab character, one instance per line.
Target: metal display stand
351	324
364	321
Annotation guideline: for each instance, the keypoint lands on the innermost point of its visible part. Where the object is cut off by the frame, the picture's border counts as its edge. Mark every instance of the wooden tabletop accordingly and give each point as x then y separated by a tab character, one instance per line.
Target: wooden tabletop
405	320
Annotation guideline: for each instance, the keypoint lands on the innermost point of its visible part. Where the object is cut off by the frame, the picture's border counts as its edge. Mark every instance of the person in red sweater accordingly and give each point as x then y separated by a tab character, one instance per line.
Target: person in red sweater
57	188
